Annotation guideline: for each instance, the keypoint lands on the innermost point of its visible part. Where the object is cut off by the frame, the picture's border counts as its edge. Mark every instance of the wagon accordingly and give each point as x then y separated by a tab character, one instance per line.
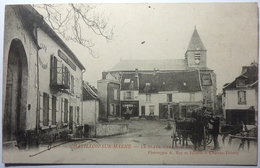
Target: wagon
185	132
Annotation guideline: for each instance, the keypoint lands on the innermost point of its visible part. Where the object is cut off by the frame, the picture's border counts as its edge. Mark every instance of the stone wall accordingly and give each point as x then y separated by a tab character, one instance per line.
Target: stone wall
110	129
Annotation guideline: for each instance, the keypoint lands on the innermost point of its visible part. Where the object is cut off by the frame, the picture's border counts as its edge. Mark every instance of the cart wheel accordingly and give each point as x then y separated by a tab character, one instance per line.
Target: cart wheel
207	139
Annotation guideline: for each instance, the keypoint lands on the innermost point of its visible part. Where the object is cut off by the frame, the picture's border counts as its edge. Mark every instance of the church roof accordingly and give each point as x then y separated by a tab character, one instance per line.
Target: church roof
148	65
195	42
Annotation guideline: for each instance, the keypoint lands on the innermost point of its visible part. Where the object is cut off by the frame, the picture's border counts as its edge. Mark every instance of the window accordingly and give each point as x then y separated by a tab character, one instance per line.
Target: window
127	81
241	82
206	80
151	110
66	77
169	97
241	97
59	74
147	87
54	99
66	110
192	96
45	109
112	109
148	97
115	94
128	95
131	86
197	55
53	74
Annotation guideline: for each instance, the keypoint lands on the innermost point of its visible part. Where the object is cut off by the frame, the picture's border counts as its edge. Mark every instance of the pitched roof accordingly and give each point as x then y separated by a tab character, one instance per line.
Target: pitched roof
187	81
148	65
195	42
148	83
88	92
249	73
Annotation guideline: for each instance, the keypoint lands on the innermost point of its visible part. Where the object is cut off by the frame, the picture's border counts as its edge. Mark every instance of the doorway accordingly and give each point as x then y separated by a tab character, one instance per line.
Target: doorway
15	109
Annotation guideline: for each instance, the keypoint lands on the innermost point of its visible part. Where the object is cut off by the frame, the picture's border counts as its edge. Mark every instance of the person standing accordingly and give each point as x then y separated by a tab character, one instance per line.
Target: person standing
215	131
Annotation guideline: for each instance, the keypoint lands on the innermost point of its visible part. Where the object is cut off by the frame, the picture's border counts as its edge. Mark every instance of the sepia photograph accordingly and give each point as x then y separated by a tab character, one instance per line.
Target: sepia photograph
130	84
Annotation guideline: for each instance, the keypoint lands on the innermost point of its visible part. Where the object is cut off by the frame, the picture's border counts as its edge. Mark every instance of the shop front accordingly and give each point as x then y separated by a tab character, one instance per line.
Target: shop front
129	109
168	110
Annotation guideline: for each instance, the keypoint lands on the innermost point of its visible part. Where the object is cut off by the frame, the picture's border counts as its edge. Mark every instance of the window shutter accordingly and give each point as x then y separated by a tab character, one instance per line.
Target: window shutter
59	73
45	109
41	108
62	109
54	110
51	70
50	110
66	104
68	78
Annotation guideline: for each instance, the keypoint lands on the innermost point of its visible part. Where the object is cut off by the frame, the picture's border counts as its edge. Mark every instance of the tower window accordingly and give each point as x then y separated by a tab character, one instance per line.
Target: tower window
197	57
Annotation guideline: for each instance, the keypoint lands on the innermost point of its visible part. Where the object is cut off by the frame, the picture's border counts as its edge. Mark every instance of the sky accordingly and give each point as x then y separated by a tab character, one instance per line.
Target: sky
229	31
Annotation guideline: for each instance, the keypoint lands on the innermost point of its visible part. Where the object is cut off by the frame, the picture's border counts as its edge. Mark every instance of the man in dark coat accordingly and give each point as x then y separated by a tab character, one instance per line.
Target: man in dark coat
215	131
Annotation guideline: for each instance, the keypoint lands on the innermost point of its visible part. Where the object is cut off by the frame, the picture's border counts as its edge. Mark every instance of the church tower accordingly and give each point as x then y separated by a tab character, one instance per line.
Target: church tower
196	54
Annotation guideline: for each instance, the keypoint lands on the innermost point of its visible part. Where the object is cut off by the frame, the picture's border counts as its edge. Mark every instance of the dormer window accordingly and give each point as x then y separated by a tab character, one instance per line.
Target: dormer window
241	82
206	80
127	81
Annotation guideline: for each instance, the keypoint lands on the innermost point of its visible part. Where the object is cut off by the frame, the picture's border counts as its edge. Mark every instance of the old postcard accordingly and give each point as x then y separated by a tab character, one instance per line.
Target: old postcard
146	83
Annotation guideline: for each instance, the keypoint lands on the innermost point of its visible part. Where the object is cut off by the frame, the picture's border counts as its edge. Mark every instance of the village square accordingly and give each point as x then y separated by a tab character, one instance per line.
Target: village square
153	107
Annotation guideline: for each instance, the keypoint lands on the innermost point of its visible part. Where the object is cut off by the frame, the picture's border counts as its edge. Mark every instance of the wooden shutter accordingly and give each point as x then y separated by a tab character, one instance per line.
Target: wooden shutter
45	109
41	108
66	104
54	110
62	109
50	110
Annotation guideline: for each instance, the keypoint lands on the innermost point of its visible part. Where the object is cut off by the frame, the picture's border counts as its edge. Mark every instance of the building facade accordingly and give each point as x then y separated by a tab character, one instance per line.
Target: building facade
42	81
240	97
90	110
165	88
109	96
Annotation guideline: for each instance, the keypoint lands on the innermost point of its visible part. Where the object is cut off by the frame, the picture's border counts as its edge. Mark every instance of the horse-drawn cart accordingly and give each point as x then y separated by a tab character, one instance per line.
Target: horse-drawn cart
194	129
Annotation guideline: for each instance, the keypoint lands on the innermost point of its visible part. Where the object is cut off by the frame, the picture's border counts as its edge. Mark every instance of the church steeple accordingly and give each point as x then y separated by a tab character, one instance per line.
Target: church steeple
196	52
195	42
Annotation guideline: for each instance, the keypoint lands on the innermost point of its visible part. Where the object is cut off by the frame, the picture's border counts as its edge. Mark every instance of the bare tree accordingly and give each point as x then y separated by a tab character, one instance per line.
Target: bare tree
72	20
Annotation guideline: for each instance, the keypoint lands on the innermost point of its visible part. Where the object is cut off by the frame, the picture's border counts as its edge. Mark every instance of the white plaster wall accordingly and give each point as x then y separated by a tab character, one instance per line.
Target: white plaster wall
13	29
231	101
154	102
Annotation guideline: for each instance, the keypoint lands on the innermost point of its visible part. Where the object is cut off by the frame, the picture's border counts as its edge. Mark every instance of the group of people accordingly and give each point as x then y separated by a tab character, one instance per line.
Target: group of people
200	124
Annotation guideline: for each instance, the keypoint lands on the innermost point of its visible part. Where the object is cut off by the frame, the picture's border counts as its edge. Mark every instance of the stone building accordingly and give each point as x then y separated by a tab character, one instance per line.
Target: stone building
240	97
42	81
165	88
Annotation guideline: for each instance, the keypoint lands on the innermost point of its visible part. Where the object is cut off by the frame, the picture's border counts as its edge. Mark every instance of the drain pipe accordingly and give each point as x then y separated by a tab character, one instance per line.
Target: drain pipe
37	82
